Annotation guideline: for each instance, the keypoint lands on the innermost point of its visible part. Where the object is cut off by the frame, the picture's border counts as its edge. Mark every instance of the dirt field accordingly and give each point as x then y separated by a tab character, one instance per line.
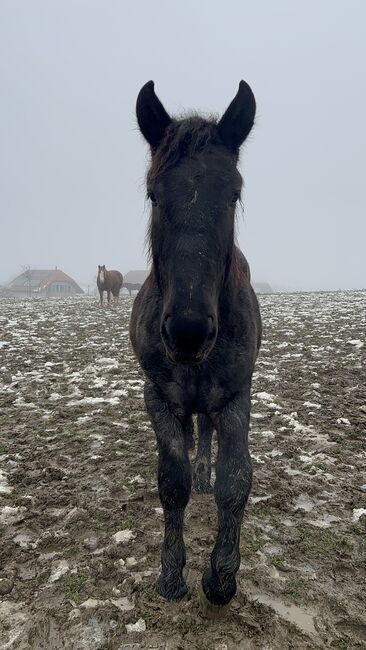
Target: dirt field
80	518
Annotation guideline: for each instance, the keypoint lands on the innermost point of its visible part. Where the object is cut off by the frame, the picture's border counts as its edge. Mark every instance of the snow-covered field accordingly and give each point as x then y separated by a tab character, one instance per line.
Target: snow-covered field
80	519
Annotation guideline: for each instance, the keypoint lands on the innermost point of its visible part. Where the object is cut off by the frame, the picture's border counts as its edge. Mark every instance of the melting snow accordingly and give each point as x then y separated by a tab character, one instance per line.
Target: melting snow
58	571
9	515
357	514
356	343
259	499
344	421
4	485
139	626
123	536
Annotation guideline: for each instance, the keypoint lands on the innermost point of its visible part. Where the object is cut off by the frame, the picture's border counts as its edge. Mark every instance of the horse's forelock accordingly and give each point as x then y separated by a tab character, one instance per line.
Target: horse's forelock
183	137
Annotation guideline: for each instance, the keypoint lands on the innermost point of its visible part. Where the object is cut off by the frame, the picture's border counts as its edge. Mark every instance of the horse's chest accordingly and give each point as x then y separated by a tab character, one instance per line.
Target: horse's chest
196	395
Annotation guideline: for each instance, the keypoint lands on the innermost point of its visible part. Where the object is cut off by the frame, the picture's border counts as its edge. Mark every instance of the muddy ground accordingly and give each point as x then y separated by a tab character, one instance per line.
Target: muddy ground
80	519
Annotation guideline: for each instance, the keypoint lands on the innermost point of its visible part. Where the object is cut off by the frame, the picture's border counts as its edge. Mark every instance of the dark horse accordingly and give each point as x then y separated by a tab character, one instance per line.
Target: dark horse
109	281
131	286
196	328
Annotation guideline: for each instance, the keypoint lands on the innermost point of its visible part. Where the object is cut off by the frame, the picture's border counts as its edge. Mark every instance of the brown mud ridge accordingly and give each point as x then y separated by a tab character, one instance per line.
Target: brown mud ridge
80	519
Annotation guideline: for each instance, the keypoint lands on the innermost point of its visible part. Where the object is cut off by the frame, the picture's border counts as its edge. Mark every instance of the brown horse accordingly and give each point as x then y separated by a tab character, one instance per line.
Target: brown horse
109	281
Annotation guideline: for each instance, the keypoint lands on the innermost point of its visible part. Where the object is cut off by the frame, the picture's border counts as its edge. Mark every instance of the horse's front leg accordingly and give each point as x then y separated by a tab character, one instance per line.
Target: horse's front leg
101	298
232	487
202	462
174	479
109	298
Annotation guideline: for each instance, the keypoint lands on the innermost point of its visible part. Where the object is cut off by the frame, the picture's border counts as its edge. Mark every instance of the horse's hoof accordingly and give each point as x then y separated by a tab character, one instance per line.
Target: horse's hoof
209	610
171	589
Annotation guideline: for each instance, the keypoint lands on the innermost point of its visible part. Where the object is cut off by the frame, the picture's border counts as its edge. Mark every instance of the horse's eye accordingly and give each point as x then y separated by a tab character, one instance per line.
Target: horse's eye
236	197
151	196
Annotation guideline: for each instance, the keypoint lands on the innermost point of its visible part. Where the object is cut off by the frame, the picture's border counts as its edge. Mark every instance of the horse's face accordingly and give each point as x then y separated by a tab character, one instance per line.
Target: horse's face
193	198
193	212
101	272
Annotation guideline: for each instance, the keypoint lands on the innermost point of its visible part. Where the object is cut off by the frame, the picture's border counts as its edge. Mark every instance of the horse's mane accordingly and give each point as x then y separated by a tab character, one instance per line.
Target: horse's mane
183	138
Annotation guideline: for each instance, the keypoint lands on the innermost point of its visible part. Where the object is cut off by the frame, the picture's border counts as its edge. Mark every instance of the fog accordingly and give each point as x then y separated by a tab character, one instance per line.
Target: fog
72	162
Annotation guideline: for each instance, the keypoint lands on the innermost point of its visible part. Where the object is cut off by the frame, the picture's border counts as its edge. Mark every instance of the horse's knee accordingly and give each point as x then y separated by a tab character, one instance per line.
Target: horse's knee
233	482
174	478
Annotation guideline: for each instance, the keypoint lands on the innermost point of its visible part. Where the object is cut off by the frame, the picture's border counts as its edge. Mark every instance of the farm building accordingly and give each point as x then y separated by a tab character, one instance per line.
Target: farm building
43	283
262	287
133	280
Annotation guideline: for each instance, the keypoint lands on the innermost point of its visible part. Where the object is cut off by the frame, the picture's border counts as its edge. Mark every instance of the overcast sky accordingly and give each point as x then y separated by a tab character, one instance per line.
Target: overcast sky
72	162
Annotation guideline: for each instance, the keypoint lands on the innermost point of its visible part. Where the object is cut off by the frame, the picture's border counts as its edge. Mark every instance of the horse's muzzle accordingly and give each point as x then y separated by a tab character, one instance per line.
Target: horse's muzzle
188	340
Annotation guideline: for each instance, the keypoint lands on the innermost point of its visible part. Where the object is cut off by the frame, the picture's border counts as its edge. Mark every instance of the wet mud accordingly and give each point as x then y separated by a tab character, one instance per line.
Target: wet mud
80	520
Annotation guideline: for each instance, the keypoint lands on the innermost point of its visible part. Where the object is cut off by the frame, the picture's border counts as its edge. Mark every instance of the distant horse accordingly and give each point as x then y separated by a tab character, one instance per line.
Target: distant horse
111	282
132	286
196	329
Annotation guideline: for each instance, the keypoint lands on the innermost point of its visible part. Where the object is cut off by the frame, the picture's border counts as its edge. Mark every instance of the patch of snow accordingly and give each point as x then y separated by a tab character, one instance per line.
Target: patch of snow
275	453
12	623
265	397
356	343
5	488
267	434
82	418
303	502
312	405
91	603
139	626
24	540
123	536
306	459
324	522
9	515
123	604
54	397
58	571
357	514
344	421
138	479
259	499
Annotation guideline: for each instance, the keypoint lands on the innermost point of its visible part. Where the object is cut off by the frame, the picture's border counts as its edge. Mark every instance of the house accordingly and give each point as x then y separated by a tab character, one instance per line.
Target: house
262	287
38	283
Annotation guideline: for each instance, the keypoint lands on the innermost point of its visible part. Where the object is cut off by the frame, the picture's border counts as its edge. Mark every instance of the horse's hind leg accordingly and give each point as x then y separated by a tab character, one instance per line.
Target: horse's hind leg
109	298
232	487
188	432
174	478
202	462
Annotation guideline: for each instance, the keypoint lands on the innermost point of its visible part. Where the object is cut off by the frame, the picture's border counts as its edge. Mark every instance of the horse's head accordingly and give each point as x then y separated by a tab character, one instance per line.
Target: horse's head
193	185
101	272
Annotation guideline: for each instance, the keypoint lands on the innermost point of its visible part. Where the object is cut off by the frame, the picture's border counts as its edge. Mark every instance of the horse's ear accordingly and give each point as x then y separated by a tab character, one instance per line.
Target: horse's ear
238	119
152	117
